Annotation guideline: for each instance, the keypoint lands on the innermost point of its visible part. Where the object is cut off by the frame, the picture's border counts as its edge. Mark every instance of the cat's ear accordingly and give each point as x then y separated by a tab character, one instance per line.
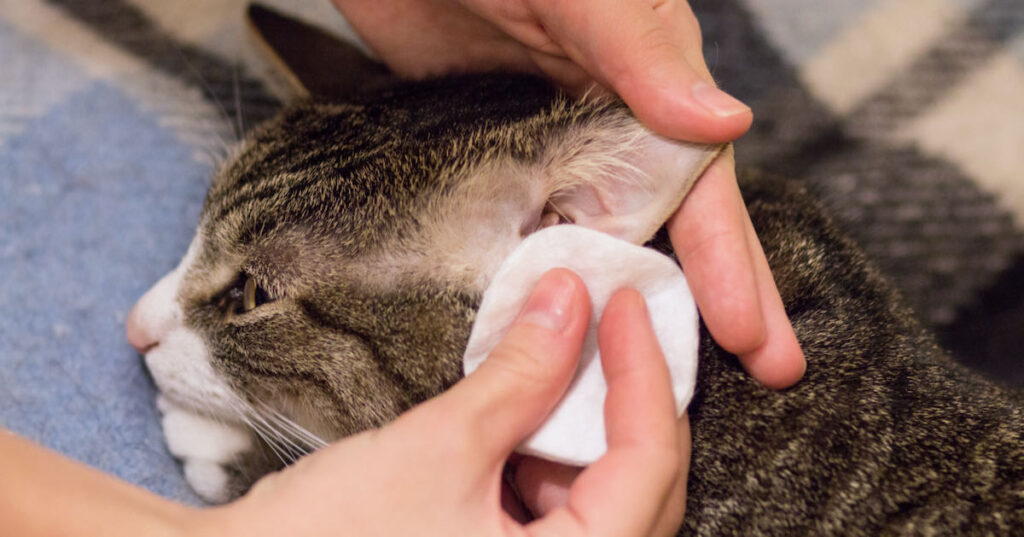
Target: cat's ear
632	195
315	63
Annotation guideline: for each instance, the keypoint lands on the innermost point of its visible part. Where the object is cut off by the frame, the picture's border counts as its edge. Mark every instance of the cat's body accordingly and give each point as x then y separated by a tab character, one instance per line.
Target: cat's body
884	435
344	247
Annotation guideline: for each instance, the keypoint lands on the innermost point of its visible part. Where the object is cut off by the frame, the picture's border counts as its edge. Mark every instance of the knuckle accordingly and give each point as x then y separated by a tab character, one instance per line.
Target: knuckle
524	361
691	33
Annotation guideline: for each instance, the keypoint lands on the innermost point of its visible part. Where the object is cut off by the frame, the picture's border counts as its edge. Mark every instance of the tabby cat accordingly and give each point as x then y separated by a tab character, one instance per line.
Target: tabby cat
344	246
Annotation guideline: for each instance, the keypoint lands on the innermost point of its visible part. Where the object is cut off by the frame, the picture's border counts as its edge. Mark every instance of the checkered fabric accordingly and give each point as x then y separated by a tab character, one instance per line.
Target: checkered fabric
906	118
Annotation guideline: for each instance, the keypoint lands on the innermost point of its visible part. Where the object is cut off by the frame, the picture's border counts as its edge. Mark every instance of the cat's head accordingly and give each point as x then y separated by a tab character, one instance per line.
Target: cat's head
344	246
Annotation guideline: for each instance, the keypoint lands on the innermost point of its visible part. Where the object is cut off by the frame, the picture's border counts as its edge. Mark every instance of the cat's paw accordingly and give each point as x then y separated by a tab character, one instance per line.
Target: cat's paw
208	449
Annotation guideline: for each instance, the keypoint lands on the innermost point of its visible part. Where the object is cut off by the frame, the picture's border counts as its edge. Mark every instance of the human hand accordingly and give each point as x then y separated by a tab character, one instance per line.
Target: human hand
649	53
437	469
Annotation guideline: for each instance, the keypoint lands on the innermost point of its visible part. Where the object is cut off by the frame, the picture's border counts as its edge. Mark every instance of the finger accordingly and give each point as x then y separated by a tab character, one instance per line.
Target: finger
632	47
513	505
778	362
544	485
417	39
673	512
709	236
565	73
512	391
518	21
643	459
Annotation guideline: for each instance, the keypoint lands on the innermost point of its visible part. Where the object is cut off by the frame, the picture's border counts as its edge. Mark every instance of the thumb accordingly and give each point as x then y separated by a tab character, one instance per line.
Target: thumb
515	388
650	54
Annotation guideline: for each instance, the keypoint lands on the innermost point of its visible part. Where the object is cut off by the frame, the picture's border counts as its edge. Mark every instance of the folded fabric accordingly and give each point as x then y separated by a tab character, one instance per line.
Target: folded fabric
574	432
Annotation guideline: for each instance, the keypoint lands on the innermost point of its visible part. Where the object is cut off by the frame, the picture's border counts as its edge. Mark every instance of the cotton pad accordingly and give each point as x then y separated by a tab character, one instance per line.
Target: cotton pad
574	432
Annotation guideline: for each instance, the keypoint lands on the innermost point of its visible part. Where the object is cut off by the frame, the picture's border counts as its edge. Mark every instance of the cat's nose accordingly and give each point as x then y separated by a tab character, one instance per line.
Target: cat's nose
136	331
155	315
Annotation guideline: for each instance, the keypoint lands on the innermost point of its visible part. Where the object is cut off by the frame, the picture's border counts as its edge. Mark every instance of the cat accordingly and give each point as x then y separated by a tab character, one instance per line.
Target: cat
344	246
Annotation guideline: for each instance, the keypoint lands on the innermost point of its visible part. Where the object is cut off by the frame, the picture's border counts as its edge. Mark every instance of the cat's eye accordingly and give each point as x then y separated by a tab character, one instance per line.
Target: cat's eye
253	295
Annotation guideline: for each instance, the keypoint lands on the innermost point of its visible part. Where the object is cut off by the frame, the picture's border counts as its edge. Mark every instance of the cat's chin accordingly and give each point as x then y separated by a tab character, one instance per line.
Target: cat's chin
207	446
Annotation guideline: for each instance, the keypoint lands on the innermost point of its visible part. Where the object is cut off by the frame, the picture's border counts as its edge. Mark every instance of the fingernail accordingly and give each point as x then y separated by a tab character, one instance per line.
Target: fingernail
550	305
640	302
717	101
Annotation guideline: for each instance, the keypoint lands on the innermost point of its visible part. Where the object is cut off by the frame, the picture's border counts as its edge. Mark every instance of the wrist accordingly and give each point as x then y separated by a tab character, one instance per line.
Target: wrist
38	482
207	522
152	515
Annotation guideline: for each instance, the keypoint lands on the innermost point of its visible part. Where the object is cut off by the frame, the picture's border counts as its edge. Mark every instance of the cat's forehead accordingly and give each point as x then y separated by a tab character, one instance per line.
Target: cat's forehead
361	170
434	181
322	167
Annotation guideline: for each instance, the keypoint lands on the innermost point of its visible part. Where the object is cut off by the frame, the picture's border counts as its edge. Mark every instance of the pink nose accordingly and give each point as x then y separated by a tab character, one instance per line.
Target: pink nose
138	336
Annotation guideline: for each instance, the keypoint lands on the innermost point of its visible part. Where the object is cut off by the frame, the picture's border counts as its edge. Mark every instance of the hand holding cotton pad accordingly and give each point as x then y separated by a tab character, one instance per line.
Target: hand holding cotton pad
574	432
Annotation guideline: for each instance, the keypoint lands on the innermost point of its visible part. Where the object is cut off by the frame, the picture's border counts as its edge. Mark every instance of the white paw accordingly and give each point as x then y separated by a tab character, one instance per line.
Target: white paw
205	446
208	479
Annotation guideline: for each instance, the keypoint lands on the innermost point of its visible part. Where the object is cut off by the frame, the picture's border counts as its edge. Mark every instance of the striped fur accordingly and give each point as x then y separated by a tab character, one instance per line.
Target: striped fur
339	211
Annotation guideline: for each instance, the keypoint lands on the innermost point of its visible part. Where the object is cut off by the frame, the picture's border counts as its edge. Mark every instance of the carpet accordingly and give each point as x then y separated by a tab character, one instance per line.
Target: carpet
905	118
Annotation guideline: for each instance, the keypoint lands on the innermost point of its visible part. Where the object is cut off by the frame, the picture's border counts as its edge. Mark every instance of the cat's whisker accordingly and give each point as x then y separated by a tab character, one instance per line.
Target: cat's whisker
297	430
243	412
240	411
208	89
282	438
284	425
269	435
238	101
219	152
311	440
286	451
266	440
289	437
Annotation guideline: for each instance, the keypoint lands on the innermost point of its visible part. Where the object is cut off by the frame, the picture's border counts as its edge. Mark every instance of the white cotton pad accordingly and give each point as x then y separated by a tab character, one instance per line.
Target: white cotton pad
574	432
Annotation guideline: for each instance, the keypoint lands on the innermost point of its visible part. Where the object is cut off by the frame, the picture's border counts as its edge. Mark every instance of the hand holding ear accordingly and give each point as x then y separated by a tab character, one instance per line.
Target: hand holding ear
649	53
437	470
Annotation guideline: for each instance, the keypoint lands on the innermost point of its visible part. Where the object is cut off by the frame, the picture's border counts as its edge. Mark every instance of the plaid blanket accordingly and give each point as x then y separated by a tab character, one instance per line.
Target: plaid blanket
906	118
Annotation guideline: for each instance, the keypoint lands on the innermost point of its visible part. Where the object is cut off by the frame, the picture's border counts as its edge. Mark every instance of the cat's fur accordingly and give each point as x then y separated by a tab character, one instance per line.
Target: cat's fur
356	219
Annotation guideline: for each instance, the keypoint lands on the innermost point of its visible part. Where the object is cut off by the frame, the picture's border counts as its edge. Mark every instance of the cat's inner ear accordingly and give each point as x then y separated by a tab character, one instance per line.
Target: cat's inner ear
314	62
631	194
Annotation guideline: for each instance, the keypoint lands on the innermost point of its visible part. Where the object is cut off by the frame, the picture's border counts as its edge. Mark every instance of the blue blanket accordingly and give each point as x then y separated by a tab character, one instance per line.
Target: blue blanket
906	118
